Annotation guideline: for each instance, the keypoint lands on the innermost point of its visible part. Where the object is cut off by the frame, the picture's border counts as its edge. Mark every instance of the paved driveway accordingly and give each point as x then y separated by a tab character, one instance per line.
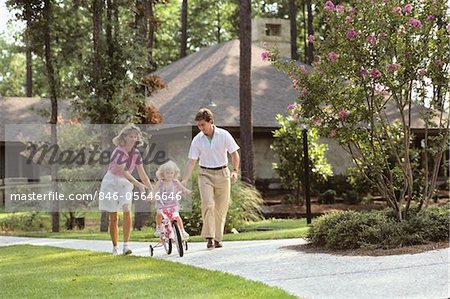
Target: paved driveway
307	275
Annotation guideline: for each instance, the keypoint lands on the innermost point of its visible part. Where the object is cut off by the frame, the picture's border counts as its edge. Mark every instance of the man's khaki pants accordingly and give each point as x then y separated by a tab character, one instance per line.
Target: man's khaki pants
214	188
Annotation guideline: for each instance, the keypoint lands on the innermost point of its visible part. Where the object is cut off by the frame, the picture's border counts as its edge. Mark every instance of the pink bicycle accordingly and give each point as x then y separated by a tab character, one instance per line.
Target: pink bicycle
171	234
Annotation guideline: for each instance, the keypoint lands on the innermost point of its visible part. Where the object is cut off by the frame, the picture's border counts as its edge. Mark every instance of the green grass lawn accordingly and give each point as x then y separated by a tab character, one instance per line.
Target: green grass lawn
46	272
282	228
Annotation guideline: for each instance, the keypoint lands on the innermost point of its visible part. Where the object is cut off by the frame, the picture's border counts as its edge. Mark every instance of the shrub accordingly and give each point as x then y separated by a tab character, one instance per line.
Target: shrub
444	186
352	198
368	199
338	183
245	205
379	229
24	222
328	197
359	183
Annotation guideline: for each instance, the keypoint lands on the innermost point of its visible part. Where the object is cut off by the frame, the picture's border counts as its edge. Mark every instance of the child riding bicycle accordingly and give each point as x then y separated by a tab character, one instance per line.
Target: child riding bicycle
169	194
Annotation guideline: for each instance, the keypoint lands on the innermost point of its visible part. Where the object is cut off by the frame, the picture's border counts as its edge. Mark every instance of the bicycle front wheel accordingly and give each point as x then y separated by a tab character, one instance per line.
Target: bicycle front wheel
178	238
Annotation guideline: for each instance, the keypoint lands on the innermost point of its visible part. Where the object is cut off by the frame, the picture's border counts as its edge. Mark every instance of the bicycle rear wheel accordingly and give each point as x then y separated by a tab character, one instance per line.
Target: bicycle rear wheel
178	238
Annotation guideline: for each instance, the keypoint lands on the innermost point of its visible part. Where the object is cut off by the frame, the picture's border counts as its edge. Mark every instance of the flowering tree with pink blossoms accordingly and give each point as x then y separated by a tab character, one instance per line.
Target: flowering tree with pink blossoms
383	70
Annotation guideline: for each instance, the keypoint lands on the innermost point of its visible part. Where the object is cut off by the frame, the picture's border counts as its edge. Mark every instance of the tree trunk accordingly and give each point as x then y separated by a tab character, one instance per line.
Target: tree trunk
305	32
104	222
28	55
140	20
151	35
245	93
29	63
97	13
183	44
54	105
293	18
105	140
310	50
108	30
219	22
96	38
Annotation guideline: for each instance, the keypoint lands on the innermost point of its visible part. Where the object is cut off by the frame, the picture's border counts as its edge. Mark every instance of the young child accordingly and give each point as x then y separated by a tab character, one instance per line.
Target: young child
170	190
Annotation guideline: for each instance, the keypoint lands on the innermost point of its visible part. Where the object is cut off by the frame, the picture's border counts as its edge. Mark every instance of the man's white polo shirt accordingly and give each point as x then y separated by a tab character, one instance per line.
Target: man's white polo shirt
213	152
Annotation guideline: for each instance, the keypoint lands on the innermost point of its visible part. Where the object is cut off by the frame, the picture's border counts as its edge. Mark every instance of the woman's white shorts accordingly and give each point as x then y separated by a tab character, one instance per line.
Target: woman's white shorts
115	192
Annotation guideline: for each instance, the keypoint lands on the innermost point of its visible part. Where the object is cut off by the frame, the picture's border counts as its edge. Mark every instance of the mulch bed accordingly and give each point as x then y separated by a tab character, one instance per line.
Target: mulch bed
309	248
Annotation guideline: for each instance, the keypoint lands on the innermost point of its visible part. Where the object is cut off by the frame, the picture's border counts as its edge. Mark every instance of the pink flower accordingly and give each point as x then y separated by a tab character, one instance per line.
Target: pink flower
363	72
317	121
352	10
329	5
294	83
265	55
342	114
408	8
311	39
25	153
415	23
296	116
19	136
351	34
290	107
348	19
430	18
378	89
302	69
391	68
303	92
397	10
375	73
372	39
382	35
340	8
332	56
333	133
448	27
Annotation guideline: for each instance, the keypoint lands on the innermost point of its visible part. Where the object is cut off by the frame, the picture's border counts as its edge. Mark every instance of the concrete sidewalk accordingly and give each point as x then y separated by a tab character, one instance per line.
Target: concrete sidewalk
307	275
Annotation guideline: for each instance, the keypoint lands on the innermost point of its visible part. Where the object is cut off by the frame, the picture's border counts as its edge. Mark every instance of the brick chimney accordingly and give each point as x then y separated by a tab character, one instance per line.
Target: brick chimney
275	32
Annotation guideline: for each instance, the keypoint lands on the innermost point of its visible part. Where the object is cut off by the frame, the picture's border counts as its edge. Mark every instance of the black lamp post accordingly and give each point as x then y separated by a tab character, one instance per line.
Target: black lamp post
306	170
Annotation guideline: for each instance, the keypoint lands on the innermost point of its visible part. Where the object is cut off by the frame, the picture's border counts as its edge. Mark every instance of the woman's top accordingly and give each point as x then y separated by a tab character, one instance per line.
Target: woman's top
120	156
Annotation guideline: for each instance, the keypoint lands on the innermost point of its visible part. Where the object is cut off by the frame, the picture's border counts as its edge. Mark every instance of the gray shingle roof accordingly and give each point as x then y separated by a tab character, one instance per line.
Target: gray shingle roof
17	111
212	75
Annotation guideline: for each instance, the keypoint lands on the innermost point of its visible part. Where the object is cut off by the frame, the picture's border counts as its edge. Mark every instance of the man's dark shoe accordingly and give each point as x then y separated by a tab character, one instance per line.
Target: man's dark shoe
217	244
209	243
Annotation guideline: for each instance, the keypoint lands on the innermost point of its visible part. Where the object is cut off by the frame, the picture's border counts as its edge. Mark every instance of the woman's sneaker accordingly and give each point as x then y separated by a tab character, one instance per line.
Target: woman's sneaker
158	231
126	250
115	250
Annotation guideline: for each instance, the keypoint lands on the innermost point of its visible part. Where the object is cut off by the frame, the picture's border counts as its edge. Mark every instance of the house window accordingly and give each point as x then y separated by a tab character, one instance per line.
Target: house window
273	29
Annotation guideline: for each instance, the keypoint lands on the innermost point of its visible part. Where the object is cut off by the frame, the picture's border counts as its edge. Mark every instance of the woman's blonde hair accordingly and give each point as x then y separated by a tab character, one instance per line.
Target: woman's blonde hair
170	165
120	138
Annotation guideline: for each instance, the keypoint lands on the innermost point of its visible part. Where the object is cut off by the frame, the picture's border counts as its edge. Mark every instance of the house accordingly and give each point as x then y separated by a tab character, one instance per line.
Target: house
210	78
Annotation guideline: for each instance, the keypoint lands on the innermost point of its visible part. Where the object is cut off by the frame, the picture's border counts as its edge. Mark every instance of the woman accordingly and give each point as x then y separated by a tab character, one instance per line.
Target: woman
116	190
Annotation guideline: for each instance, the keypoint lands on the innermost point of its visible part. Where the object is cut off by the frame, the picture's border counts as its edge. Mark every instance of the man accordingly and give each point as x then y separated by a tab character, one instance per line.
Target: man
210	146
